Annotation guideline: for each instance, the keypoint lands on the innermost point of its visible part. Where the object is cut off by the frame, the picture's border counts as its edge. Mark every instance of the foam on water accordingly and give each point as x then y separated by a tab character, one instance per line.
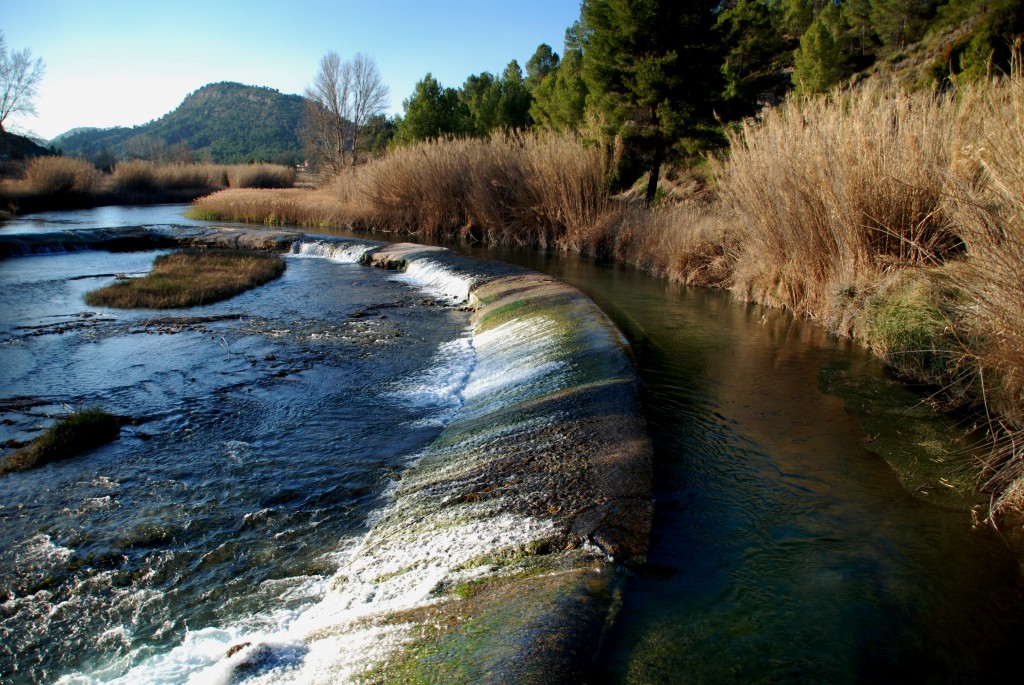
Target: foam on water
335	250
409	557
514	357
440	387
437	280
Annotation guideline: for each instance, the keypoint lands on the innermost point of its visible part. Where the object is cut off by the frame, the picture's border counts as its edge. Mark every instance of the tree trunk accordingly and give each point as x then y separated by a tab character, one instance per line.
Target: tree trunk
652	182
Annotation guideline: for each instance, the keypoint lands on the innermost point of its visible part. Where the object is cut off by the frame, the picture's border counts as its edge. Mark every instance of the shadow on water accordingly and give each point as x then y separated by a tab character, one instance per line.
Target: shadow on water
783	549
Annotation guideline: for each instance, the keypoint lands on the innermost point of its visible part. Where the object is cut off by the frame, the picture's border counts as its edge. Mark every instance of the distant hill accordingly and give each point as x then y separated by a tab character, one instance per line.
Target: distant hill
222	122
14	147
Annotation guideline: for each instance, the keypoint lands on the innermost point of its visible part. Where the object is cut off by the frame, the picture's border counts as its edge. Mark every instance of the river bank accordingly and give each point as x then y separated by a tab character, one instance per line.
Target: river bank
886	217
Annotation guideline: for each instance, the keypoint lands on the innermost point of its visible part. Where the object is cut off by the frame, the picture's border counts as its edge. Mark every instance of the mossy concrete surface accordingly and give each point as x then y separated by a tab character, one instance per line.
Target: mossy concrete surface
531	497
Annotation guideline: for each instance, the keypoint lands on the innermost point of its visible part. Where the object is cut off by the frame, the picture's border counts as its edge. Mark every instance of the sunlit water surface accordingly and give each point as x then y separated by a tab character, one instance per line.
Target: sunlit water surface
784	548
263	432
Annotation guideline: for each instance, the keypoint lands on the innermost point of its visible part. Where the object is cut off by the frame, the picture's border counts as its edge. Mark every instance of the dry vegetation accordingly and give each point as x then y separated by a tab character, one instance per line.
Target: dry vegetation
60	176
188	279
61	182
894	218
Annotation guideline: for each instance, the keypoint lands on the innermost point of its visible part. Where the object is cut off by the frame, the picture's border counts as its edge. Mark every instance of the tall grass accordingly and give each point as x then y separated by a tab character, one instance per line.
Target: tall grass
293	206
260	176
59	176
832	191
518	188
139	176
986	192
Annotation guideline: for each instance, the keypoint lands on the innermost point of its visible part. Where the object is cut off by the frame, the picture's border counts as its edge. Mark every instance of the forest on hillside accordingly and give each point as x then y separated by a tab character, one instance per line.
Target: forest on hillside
223	123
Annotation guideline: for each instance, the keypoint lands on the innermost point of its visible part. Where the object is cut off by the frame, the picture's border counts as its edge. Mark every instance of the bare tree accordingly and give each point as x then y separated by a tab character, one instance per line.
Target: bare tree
343	98
19	77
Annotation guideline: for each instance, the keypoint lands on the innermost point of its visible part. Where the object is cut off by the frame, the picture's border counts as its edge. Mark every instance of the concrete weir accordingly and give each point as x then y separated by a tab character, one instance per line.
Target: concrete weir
496	559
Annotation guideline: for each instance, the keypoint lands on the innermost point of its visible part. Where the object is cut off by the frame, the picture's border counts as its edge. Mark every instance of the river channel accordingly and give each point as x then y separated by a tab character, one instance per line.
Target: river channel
785	547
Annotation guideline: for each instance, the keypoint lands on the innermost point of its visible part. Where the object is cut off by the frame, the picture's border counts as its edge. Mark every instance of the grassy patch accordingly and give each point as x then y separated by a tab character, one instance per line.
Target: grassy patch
910	327
188	279
78	432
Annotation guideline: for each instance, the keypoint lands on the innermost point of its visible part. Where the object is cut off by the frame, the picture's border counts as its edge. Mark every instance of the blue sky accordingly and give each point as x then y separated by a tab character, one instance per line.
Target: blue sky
123	63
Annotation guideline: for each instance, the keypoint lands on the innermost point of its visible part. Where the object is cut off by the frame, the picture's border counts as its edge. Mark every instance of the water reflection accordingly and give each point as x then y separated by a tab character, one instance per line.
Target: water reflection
783	549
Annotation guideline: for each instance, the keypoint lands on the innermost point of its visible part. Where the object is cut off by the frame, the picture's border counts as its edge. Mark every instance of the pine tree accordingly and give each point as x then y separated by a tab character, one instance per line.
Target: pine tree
560	99
514	102
432	112
651	66
899	22
821	60
543	62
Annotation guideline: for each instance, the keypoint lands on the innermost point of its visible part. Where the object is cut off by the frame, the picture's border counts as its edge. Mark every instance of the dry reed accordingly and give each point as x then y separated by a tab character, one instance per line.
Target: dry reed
59	176
293	206
260	176
140	176
519	188
832	191
986	189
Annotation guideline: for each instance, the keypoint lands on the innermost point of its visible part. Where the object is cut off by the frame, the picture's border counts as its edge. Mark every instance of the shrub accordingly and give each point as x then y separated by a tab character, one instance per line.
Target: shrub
60	176
260	176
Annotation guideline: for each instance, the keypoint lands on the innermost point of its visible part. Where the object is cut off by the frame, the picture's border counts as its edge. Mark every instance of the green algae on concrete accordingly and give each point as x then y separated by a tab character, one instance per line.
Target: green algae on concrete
552	475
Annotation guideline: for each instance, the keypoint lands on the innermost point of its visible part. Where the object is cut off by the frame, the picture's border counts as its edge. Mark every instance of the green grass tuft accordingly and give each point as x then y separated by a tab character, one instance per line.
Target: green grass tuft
78	432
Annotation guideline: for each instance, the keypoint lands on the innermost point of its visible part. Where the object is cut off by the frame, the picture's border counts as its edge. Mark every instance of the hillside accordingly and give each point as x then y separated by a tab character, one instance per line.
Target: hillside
14	147
221	122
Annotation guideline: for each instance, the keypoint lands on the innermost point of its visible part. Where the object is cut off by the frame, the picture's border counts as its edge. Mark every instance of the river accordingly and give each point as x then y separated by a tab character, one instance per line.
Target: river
785	548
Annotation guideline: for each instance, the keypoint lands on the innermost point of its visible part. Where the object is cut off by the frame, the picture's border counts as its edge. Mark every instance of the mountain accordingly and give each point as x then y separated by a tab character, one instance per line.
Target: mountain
221	122
13	146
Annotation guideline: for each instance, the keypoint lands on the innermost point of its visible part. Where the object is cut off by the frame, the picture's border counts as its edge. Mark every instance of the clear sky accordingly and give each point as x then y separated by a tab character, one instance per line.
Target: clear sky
127	62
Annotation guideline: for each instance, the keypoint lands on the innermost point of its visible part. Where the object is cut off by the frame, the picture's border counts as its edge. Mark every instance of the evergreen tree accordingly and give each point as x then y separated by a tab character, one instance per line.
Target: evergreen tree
497	102
432	112
756	50
899	22
514	102
797	15
651	67
857	16
560	99
821	60
544	62
481	94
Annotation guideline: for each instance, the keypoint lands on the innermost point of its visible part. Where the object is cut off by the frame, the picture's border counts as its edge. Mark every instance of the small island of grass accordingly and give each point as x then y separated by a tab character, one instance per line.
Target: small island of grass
188	279
78	432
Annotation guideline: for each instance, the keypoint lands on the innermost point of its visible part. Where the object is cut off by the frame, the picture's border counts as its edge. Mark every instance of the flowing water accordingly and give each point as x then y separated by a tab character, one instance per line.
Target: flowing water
265	430
785	548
